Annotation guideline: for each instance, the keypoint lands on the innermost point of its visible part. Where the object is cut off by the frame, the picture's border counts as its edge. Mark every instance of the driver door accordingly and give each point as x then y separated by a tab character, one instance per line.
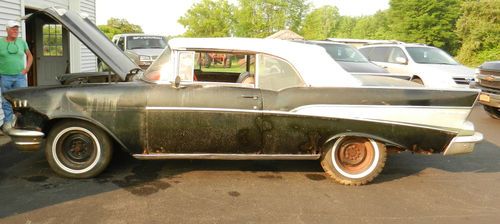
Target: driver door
197	117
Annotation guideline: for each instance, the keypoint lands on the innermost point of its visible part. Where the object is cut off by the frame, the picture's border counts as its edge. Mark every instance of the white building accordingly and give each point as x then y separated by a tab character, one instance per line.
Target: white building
54	49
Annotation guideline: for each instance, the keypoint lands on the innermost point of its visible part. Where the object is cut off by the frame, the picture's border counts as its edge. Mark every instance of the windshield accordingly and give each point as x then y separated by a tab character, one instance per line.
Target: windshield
346	53
145	42
430	55
161	68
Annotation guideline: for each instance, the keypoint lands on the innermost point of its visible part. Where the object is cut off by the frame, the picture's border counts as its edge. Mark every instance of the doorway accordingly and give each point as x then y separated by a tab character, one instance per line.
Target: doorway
49	43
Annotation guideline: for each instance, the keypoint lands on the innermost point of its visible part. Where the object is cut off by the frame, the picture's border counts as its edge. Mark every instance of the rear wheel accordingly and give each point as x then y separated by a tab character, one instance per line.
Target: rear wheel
354	160
77	149
492	111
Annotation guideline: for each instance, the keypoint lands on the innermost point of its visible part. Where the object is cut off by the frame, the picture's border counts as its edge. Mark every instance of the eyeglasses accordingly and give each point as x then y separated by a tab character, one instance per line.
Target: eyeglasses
12	48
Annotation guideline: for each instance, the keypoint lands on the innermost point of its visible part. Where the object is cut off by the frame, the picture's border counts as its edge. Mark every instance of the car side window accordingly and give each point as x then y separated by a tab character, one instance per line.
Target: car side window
227	67
121	43
186	66
395	53
380	54
274	73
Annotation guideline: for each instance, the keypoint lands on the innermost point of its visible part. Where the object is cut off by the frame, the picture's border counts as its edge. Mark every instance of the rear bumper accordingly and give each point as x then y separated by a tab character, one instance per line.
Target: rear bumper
463	144
26	140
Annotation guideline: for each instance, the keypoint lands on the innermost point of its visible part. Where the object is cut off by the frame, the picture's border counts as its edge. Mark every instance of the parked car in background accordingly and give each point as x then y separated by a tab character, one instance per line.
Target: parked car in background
276	104
143	49
351	60
427	65
488	80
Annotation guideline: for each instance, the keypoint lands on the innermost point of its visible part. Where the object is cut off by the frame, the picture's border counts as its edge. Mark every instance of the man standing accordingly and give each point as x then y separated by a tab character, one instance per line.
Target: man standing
13	69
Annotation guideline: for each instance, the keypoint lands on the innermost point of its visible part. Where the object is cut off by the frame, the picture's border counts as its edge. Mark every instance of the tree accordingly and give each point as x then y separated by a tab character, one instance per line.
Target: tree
479	30
321	23
209	18
118	26
261	18
373	27
345	26
425	21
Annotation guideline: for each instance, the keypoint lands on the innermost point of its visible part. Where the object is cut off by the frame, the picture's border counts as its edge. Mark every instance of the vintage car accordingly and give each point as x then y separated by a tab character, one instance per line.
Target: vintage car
275	105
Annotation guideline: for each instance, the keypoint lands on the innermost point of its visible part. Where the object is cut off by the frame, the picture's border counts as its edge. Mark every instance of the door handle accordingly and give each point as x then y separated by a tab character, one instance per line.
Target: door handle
255	97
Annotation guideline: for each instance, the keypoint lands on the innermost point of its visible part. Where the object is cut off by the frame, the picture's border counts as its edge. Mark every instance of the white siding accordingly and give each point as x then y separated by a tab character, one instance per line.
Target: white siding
41	4
9	10
88	59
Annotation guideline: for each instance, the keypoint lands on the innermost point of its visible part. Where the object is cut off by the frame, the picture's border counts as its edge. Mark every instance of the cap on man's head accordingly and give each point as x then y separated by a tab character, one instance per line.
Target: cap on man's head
13	23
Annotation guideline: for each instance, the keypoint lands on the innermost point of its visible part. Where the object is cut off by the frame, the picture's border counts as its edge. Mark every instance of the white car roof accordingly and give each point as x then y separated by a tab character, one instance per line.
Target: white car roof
313	63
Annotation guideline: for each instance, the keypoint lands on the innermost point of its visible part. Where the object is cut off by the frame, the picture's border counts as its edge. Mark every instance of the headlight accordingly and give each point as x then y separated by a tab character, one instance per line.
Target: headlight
144	58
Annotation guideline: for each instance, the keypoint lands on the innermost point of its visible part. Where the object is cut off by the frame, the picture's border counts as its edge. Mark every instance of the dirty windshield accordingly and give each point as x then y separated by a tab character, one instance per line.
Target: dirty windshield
145	42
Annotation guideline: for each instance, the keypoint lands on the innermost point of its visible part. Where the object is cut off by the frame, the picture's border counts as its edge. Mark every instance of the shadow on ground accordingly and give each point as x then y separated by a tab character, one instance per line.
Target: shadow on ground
27	182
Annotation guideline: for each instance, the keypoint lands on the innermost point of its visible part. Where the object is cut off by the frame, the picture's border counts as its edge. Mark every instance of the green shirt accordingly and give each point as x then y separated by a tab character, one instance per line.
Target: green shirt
12	56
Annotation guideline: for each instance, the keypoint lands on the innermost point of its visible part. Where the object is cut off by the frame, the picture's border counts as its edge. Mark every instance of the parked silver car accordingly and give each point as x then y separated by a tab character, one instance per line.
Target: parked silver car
143	49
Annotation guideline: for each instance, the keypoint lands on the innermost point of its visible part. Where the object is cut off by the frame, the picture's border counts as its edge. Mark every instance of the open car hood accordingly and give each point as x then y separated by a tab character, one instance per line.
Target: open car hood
88	33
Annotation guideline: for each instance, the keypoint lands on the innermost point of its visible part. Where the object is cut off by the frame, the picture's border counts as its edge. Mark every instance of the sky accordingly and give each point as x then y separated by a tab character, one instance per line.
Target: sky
160	16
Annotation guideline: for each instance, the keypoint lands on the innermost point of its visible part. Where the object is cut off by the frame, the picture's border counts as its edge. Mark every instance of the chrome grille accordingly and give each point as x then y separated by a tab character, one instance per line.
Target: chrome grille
491	84
494	73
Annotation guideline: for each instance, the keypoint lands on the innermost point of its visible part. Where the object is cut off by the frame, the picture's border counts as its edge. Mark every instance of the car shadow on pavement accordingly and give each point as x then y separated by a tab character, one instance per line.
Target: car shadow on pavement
27	182
484	159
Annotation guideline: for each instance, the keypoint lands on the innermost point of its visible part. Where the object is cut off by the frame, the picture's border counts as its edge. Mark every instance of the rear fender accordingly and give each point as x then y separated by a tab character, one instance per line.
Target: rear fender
329	142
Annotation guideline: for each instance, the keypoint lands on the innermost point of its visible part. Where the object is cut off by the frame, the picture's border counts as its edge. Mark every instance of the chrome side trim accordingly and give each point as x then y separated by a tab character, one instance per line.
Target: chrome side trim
463	144
25	133
219	156
437	117
26	143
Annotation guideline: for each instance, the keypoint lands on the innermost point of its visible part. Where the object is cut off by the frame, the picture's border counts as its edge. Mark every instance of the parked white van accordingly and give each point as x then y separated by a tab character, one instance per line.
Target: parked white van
427	65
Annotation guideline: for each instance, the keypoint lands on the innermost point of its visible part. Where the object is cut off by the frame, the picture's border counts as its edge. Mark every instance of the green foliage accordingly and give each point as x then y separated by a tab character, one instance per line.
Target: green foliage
261	18
209	18
373	27
321	23
345	27
425	21
118	26
479	30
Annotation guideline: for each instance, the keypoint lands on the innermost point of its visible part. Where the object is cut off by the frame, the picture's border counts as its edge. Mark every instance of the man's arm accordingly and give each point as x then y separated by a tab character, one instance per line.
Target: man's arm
29	57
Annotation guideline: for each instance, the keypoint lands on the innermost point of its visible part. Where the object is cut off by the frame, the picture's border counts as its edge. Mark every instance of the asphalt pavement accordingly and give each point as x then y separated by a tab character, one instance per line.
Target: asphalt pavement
411	189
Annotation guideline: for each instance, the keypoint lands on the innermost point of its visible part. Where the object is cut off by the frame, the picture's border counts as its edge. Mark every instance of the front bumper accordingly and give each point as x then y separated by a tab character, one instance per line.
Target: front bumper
489	97
463	144
26	140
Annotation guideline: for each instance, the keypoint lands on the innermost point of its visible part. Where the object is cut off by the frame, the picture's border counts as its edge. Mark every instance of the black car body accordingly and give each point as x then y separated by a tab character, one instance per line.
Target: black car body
488	80
277	105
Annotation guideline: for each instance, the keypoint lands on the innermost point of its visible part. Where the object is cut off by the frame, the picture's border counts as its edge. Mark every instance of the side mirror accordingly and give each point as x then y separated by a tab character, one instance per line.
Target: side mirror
401	60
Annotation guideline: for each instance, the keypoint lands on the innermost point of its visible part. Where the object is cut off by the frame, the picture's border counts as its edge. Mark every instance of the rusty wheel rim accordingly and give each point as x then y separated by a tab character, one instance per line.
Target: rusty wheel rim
355	157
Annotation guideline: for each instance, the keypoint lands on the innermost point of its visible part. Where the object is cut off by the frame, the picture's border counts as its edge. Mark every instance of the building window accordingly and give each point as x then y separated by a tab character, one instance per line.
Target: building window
52	40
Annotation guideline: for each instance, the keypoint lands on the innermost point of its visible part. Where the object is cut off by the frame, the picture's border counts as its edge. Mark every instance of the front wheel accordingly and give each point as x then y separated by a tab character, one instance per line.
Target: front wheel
77	149
354	160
